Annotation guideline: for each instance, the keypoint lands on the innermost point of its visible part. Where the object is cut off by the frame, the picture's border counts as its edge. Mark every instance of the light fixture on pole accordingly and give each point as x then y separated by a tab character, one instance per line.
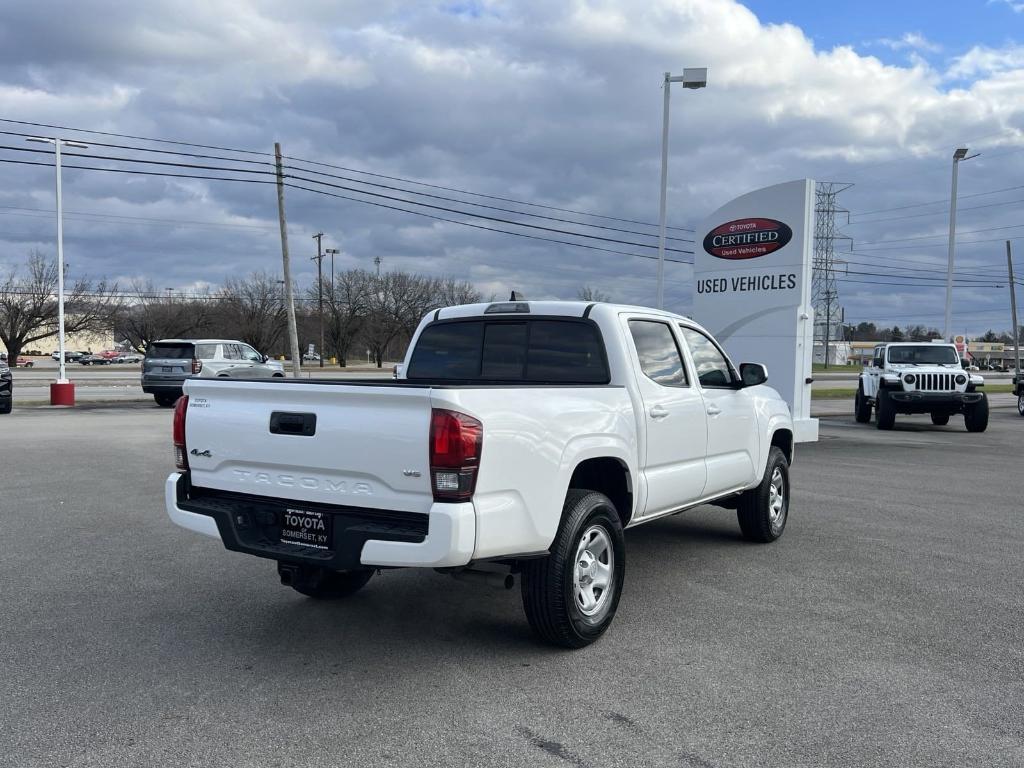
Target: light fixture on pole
959	155
62	392
692	77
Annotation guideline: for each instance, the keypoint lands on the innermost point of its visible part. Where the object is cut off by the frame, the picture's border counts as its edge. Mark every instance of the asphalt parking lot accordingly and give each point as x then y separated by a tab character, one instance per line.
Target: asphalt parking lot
884	628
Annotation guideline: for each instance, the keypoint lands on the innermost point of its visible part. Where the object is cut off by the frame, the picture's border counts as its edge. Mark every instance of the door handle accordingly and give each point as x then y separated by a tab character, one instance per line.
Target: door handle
658	412
714	410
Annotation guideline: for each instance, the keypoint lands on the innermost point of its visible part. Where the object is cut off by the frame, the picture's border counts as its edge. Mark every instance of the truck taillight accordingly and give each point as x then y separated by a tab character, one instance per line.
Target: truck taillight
178	433
197	365
455	442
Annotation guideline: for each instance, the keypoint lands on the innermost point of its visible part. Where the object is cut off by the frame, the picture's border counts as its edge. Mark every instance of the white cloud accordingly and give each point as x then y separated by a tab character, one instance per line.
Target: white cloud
555	103
914	41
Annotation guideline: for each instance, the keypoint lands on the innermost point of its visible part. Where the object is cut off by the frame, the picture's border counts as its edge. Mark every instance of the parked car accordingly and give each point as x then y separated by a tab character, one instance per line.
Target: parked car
6	388
130	357
520	441
920	378
24	362
69	356
311	357
94	360
169	362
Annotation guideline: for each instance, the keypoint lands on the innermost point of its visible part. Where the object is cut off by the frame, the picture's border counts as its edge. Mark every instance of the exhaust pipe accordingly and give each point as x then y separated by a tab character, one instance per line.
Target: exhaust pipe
495	579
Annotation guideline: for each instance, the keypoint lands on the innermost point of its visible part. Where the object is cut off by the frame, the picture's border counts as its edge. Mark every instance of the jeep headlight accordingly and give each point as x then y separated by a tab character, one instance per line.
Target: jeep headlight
961	379
909	378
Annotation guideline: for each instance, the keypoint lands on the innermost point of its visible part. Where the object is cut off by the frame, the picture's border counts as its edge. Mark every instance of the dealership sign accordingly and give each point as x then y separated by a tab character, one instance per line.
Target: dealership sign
752	285
747	238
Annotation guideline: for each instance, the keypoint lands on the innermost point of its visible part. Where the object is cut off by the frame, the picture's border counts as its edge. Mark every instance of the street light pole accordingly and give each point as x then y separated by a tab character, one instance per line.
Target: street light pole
319	259
959	155
691	78
62	380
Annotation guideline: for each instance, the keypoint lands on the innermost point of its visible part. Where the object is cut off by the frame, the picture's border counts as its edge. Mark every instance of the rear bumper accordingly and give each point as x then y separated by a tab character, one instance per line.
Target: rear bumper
925	402
442	538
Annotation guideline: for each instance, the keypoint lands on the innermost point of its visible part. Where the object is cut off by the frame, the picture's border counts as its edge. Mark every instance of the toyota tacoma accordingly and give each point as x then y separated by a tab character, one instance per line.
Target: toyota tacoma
519	440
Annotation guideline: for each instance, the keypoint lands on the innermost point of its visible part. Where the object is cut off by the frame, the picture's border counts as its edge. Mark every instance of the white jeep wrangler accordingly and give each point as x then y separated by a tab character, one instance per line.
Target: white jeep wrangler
920	378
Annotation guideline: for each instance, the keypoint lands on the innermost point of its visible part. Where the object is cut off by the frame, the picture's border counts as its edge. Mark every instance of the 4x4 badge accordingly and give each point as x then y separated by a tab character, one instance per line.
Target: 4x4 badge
197	452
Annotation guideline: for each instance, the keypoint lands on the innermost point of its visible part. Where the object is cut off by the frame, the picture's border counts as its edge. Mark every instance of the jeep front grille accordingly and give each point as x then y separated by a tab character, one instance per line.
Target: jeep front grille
935	382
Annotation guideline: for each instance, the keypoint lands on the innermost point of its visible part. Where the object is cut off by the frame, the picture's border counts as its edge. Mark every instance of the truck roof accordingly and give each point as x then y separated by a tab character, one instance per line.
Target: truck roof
916	344
563	308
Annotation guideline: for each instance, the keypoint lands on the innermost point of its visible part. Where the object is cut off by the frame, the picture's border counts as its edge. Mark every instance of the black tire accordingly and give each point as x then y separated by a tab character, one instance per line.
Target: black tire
976	416
762	512
165	400
861	406
1020	404
321	584
940	419
554	588
7	405
885	414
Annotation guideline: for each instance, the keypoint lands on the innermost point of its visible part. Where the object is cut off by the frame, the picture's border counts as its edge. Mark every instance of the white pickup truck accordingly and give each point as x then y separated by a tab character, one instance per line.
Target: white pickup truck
520	439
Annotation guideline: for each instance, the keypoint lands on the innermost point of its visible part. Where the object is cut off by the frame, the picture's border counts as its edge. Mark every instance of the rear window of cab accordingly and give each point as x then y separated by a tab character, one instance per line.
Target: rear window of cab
537	351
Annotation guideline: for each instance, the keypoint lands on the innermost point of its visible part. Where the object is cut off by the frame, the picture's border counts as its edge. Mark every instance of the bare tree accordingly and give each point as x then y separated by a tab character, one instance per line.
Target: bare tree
586	293
346	309
251	309
28	304
150	316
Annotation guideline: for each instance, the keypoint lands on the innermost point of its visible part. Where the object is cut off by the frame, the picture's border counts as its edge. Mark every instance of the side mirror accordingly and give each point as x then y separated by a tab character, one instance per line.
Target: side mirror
396	372
265	358
752	374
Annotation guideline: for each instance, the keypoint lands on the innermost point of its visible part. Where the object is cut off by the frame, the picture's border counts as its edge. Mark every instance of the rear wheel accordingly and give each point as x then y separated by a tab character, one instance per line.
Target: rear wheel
322	584
1020	404
940	419
885	413
976	416
570	596
763	511
6	406
861	406
165	400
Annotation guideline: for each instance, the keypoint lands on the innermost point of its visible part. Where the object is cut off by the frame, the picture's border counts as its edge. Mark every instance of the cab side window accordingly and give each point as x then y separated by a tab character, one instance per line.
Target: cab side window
713	369
658	352
232	352
250	354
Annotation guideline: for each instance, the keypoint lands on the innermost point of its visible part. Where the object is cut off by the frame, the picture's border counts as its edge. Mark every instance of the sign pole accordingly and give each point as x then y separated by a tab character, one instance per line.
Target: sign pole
1013	310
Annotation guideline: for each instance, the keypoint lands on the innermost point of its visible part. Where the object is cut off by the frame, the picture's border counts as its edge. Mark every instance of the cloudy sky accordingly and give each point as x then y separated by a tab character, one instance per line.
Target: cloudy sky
545	102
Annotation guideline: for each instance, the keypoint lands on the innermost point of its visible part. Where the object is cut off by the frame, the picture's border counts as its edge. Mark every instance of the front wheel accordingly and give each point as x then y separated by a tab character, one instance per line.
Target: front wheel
1020	404
570	596
976	416
764	510
6	406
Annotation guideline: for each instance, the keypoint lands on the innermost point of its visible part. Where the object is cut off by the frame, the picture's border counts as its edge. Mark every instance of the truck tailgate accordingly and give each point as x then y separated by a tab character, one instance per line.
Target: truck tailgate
353	445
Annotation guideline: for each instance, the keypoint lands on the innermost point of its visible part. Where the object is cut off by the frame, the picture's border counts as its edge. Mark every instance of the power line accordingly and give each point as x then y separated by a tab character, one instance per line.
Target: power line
478	215
479	205
936	213
481	194
323	164
481	226
10	210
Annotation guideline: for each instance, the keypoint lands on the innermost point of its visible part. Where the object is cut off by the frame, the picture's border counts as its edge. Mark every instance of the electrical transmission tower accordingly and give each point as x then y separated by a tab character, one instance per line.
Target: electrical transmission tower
828	314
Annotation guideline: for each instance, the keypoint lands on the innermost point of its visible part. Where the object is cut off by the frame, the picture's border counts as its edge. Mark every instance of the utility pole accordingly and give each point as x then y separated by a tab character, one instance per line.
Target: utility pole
319	259
293	333
1013	313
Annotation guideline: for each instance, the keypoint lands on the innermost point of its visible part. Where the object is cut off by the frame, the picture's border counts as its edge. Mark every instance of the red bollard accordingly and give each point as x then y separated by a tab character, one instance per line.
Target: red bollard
62	393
